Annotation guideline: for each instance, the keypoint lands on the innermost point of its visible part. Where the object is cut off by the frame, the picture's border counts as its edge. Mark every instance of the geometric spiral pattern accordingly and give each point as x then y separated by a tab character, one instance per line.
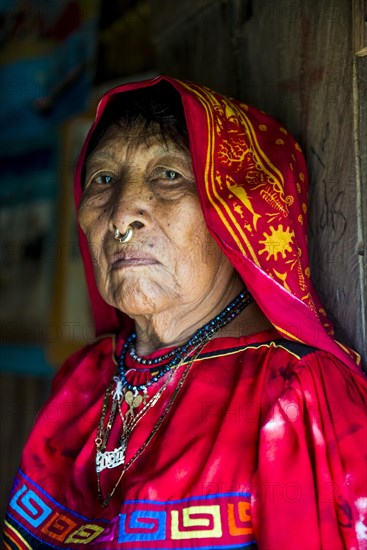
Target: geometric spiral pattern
219	520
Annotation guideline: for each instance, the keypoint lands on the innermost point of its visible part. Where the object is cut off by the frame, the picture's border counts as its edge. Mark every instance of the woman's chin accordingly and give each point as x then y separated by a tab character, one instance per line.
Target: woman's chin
135	304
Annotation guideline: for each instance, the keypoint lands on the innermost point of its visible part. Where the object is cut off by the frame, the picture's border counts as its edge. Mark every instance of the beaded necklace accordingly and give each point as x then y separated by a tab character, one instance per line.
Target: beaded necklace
123	391
201	335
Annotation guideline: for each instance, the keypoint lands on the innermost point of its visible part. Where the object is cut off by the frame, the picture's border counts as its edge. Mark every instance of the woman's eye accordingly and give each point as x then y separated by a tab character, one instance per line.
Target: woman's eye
103	179
171	174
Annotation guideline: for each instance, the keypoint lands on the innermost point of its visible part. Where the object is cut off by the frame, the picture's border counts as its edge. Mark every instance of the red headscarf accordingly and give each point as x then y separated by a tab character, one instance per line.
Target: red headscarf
252	183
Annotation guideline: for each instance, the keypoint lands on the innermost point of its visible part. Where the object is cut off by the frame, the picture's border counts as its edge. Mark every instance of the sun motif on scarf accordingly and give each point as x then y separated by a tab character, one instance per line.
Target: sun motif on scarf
278	241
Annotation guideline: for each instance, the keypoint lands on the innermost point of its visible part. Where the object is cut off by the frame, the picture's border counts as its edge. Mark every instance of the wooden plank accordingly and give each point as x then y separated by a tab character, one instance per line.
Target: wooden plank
172	16
194	41
20	399
359	11
360	122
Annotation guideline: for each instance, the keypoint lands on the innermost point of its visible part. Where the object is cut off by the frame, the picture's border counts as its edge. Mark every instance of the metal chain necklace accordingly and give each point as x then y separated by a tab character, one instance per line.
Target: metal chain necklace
135	397
106	500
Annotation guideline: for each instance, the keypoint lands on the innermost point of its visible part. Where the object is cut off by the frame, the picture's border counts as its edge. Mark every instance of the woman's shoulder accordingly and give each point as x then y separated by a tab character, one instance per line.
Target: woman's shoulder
293	361
307	364
293	372
301	380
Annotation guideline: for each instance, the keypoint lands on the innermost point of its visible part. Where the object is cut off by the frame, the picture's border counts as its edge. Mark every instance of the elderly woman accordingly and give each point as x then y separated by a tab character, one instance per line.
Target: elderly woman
215	410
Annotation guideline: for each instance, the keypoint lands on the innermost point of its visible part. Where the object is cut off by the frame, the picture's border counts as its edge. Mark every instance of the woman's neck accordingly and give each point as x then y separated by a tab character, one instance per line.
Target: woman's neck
174	327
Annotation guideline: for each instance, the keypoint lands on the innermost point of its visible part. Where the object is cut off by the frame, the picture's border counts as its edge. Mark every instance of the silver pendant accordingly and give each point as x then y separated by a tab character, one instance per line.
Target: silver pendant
110	459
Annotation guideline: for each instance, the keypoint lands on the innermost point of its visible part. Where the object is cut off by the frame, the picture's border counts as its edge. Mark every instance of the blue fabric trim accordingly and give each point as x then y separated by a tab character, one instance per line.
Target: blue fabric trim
200	497
60	505
27	496
136	523
243	545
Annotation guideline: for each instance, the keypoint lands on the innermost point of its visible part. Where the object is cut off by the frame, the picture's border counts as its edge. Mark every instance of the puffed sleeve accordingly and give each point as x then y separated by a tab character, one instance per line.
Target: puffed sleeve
310	483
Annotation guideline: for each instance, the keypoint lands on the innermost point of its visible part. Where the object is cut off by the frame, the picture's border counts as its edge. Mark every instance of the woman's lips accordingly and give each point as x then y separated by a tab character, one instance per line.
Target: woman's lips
125	259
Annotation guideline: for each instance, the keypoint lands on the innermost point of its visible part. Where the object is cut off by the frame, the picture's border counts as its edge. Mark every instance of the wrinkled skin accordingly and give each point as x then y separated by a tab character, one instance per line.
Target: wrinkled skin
171	277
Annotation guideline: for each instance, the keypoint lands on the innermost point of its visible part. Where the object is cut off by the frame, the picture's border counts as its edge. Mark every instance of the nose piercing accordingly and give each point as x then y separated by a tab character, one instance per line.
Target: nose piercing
123	237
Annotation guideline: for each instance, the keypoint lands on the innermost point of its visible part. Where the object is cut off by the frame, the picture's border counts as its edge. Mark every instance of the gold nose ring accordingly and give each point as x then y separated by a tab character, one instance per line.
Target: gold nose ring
123	237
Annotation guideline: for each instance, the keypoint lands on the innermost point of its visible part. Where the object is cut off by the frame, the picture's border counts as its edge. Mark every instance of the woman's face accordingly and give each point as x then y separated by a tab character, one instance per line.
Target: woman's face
147	182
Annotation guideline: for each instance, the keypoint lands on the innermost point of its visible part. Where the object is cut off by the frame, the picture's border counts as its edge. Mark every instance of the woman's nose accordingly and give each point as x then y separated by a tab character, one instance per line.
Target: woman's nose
129	205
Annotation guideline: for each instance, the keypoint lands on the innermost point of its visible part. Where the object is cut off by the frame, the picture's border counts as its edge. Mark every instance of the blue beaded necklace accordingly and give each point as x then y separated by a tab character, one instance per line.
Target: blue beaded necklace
172	358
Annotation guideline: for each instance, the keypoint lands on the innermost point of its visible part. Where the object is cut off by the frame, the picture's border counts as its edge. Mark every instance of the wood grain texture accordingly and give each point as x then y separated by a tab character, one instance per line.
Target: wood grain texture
294	60
360	118
359	15
194	41
21	398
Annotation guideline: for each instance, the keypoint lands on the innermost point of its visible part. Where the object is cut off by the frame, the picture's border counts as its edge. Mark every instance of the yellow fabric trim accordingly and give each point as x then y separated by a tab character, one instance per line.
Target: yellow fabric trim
350	352
289	335
11	528
242	348
190	520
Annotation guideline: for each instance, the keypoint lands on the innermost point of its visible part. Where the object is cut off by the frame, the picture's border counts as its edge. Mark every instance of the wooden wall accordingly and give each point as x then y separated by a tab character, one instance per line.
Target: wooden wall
302	62
20	400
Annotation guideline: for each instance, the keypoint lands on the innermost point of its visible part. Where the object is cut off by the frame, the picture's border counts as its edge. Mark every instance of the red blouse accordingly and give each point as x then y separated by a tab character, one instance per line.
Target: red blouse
263	447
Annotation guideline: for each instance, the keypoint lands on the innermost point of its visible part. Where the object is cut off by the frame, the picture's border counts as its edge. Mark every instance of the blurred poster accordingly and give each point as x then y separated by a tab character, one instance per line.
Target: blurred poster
47	62
71	313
